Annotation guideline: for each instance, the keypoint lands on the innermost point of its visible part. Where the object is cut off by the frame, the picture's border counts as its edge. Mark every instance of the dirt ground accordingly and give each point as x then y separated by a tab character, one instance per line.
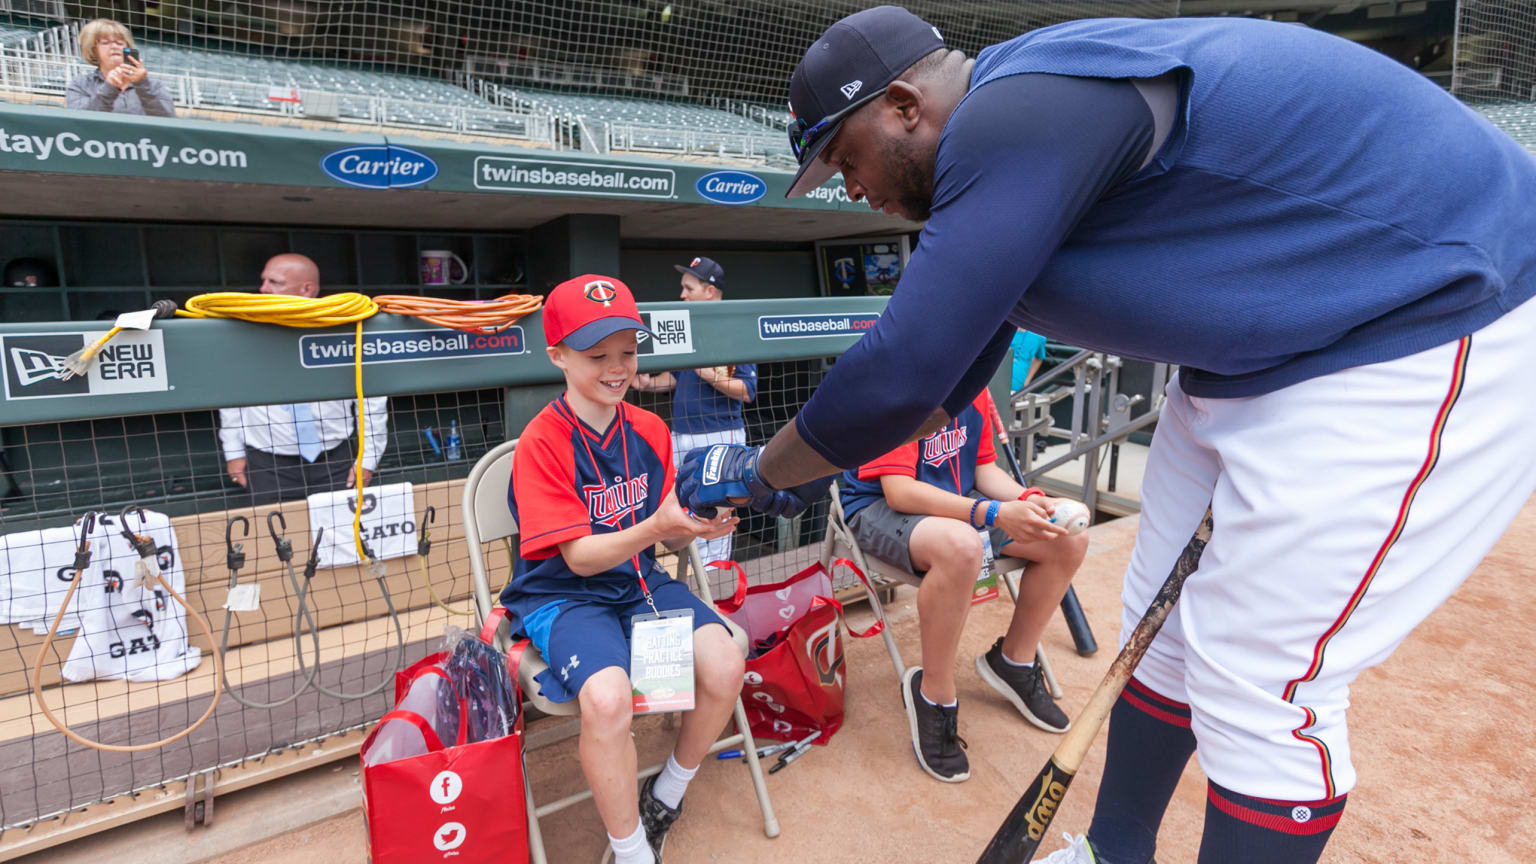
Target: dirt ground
1442	736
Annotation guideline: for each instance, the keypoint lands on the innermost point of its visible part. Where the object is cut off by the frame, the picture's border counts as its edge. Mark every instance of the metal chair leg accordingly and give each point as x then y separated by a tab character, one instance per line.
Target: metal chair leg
879	607
1045	670
535	837
755	769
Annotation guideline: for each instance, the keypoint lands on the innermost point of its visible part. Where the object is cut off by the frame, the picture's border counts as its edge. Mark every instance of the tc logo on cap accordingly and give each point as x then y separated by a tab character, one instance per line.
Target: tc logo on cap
695	262
851	88
601	291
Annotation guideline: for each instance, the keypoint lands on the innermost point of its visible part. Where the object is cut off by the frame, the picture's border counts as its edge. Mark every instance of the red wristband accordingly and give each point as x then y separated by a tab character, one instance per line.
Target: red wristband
1030	493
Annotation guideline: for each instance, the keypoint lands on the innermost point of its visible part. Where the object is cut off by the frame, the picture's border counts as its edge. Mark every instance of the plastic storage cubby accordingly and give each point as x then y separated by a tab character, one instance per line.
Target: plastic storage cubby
181	257
117	266
102	256
334	252
499	261
244	253
387	260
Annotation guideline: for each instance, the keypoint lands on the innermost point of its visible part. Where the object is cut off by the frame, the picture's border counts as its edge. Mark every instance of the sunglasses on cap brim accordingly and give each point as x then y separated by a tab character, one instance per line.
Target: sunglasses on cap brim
802	134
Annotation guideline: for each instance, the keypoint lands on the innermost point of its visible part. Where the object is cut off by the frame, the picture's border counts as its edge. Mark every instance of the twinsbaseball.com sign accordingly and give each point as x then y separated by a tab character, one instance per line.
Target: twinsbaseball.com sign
401	346
506	174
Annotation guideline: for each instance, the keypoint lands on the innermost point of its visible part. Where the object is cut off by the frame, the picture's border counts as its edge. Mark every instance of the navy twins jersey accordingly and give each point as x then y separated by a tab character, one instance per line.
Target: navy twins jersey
947	459
570	480
698	407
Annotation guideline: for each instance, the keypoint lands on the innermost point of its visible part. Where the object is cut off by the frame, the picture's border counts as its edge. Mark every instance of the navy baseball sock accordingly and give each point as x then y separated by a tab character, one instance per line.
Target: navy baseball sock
1265	831
1149	745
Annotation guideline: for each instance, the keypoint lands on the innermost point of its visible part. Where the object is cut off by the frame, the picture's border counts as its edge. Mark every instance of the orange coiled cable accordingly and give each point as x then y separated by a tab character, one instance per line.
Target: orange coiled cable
471	316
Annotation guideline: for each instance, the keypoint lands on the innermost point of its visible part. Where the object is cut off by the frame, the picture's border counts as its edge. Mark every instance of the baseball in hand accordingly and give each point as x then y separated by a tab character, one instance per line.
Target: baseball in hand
1071	515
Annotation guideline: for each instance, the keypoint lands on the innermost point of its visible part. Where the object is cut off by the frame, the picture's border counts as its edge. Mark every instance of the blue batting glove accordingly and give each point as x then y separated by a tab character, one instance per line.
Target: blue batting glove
712	476
725	475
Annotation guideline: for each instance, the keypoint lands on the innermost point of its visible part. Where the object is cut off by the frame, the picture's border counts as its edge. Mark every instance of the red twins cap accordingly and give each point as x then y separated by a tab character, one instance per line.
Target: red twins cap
584	311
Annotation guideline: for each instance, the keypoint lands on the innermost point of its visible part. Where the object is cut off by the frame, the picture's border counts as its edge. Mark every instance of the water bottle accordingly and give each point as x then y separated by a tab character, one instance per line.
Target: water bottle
453	448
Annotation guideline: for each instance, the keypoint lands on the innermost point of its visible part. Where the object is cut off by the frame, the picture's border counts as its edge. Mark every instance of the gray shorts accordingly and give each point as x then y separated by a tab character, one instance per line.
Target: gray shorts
885	534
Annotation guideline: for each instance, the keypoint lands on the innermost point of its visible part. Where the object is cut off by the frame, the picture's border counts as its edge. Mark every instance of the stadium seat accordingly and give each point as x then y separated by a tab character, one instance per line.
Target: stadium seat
1517	120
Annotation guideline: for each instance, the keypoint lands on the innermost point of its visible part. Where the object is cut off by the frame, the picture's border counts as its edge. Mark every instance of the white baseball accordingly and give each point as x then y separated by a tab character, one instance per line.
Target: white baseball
1071	515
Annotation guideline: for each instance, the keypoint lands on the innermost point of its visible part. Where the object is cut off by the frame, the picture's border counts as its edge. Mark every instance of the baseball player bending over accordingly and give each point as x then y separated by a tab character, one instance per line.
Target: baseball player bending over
1336	252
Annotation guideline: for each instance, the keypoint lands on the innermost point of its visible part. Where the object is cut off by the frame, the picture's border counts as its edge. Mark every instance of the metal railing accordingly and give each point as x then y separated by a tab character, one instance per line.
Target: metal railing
640	138
45	63
1101	417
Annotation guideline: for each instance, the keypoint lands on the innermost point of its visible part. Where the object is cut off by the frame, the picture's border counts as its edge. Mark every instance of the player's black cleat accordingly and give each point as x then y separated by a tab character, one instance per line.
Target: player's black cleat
1025	687
936	737
656	817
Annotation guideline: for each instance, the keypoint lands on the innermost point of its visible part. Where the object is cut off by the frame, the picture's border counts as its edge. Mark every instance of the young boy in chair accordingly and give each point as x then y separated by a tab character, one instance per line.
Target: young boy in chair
592	492
925	507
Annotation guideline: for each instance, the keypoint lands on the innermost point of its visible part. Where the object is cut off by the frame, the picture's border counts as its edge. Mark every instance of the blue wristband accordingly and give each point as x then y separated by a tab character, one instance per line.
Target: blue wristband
971	519
992	508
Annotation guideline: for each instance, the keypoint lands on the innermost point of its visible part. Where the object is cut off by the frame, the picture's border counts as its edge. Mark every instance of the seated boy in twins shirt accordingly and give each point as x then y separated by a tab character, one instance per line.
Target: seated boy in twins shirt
592	492
925	506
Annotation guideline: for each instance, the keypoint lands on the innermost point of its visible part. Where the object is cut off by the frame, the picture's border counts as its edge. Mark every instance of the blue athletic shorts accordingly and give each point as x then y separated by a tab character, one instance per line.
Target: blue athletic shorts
579	637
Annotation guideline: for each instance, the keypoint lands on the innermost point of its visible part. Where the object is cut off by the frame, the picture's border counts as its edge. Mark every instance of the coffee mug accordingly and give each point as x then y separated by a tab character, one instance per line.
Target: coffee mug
441	267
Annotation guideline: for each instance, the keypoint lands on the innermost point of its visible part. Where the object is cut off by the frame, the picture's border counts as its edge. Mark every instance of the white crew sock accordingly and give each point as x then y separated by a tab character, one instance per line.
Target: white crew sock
672	782
1015	664
953	703
632	849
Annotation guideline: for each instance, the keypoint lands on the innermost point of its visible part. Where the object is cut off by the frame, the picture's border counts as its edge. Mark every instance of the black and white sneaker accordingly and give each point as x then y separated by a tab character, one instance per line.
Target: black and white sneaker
656	817
936	737
1025	687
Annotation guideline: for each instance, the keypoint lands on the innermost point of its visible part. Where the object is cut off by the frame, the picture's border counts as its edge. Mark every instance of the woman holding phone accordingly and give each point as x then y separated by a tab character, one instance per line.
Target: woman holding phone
119	83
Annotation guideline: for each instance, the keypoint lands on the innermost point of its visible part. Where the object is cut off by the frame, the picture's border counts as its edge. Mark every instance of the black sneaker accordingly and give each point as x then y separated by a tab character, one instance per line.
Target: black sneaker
936	737
1024	687
656	817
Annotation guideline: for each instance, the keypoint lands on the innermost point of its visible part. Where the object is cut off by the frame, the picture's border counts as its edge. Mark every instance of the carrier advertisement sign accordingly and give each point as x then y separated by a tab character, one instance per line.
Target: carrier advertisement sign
375	166
321	350
730	187
593	179
809	326
133	362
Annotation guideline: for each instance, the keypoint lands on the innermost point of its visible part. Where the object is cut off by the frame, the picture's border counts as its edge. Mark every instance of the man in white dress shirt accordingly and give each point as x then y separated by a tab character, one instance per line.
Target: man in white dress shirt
283	452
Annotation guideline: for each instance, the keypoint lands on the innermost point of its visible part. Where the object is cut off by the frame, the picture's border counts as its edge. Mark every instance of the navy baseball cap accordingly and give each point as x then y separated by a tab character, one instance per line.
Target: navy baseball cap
705	269
849	66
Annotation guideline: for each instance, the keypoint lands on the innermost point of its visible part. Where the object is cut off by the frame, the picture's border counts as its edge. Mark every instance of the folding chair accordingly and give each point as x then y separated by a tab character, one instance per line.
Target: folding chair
487	519
839	534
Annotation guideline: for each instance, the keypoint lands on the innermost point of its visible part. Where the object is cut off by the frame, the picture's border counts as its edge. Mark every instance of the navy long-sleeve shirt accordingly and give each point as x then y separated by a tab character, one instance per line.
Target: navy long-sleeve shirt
1304	214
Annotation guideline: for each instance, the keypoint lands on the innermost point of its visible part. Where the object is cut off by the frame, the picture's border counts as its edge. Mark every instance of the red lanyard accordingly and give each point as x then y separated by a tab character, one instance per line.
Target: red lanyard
597	470
954	459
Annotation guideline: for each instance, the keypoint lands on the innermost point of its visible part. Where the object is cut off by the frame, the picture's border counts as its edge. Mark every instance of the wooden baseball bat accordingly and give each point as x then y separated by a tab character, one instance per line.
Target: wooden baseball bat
1020	834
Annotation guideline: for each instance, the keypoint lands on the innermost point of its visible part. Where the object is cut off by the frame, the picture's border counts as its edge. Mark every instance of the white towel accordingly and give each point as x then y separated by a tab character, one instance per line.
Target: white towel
128	631
36	568
388	523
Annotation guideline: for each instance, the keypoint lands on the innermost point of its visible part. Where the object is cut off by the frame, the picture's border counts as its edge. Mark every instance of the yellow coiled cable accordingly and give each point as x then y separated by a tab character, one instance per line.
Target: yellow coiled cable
285	311
329	311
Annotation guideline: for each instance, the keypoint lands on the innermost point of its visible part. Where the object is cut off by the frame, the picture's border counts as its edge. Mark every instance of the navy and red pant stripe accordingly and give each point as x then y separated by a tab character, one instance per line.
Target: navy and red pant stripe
1145	699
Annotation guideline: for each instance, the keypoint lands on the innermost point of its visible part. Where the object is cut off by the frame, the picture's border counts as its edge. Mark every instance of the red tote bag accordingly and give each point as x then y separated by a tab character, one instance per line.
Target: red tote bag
796	682
459	802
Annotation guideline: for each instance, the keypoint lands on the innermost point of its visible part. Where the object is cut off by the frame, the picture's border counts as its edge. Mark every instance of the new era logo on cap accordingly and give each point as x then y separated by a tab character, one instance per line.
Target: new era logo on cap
857	58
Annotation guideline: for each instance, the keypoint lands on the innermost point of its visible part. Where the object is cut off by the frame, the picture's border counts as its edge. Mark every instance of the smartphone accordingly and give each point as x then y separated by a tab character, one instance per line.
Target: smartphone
134	53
